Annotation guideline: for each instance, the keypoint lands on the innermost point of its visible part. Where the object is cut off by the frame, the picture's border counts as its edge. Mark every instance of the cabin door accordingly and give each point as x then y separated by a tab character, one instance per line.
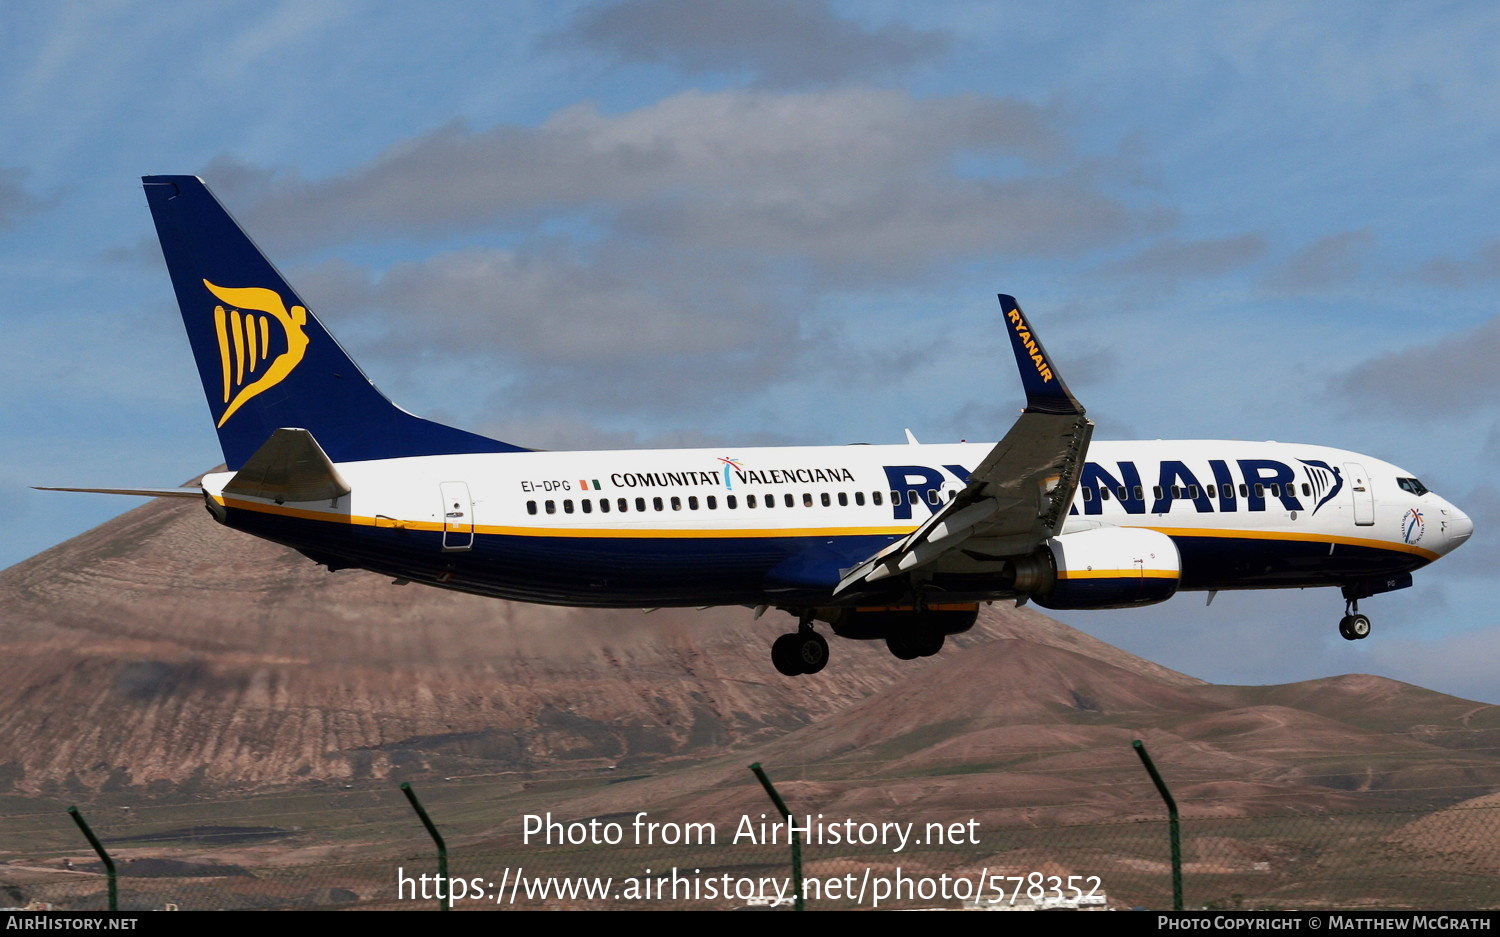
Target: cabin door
1364	498
458	517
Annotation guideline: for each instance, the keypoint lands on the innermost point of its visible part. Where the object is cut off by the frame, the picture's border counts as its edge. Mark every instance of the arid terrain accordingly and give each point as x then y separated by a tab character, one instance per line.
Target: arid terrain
161	660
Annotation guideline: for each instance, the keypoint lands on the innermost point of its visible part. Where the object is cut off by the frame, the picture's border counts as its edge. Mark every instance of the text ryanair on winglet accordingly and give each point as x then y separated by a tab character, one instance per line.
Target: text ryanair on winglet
1024	331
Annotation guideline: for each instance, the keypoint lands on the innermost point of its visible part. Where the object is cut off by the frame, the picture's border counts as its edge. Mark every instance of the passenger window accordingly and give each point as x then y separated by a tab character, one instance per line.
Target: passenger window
656	503
1088	495
692	502
1139	495
676	503
859	499
551	507
875	498
622	505
530	507
640	504
567	505
843	499
749	501
1156	492
895	497
768	501
588	505
788	500
1244	490
731	502
1192	492
604	505
932	496
827	499
807	501
711	502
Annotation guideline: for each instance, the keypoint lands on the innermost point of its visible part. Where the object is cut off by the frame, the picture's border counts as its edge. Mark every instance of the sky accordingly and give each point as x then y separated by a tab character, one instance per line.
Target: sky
661	223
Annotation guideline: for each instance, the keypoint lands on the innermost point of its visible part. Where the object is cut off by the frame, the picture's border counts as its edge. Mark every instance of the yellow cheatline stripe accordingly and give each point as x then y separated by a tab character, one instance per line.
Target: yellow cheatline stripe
1118	574
1287	535
947	607
721	533
591	532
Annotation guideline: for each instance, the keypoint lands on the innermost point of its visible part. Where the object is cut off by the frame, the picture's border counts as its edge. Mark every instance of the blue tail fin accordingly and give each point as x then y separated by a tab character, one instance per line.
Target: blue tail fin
265	360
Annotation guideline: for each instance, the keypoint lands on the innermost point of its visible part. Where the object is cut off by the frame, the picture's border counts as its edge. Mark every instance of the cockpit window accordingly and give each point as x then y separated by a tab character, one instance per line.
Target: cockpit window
1412	485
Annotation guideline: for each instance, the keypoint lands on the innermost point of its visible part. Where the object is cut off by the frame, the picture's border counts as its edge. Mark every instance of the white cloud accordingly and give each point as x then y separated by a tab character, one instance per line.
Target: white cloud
1425	378
849	179
782	43
1213	257
1328	261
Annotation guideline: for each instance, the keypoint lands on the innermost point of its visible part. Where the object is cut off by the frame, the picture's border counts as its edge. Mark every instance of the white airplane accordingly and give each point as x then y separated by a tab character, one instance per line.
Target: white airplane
894	543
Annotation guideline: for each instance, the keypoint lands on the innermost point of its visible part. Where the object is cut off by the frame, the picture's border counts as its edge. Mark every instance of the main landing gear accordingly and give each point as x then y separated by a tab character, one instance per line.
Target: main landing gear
1354	626
914	642
801	651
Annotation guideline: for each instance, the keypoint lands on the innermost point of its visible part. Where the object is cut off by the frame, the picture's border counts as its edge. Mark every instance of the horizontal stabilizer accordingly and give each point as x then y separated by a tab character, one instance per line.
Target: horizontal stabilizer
290	466
141	492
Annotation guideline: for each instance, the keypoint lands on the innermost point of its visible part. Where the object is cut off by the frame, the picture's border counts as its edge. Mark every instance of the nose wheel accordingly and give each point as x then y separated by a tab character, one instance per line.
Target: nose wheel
1354	626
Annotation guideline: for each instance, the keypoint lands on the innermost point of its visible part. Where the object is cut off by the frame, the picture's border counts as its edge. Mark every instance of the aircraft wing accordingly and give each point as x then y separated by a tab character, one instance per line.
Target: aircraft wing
1019	495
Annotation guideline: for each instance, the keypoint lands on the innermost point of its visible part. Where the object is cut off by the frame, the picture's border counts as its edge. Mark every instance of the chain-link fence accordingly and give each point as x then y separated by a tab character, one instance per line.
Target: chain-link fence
366	850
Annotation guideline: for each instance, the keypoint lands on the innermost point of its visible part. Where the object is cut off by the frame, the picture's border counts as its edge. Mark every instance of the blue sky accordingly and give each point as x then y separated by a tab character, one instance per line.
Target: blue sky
737	222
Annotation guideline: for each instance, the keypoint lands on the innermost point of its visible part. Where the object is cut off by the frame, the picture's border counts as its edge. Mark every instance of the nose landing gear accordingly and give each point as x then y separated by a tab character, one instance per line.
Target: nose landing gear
1354	626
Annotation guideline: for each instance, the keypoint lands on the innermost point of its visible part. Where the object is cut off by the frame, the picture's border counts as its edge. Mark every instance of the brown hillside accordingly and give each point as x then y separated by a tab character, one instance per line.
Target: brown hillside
161	649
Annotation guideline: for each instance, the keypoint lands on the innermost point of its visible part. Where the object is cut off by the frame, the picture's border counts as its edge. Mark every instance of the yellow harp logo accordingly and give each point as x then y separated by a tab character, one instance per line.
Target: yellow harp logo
250	363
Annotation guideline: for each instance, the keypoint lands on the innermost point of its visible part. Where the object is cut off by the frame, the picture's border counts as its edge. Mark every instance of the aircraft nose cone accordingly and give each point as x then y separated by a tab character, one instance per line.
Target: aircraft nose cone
1459	527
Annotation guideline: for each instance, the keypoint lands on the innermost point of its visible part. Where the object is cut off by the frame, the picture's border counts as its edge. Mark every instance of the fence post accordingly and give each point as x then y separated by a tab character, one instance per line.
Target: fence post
796	838
445	891
109	864
1173	828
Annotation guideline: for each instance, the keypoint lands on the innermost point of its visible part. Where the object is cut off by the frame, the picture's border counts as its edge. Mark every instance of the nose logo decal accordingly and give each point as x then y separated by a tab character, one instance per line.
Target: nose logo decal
1412	526
260	341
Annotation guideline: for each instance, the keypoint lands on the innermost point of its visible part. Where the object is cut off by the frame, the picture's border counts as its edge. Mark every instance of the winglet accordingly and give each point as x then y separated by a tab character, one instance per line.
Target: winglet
1045	390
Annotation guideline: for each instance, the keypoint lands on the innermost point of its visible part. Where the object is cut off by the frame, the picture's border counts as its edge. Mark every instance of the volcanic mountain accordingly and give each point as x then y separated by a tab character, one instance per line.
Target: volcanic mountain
163	650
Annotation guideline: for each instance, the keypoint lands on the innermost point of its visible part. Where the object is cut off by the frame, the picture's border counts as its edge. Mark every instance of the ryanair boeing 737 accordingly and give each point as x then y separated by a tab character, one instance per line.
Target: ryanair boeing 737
892	543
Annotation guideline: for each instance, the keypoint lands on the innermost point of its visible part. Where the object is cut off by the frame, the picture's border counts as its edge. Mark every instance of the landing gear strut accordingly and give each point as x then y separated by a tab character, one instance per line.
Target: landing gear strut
801	651
1354	626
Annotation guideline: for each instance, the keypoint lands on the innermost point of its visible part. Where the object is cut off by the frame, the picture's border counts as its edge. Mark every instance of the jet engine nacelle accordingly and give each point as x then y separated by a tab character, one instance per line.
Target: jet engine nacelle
1112	567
